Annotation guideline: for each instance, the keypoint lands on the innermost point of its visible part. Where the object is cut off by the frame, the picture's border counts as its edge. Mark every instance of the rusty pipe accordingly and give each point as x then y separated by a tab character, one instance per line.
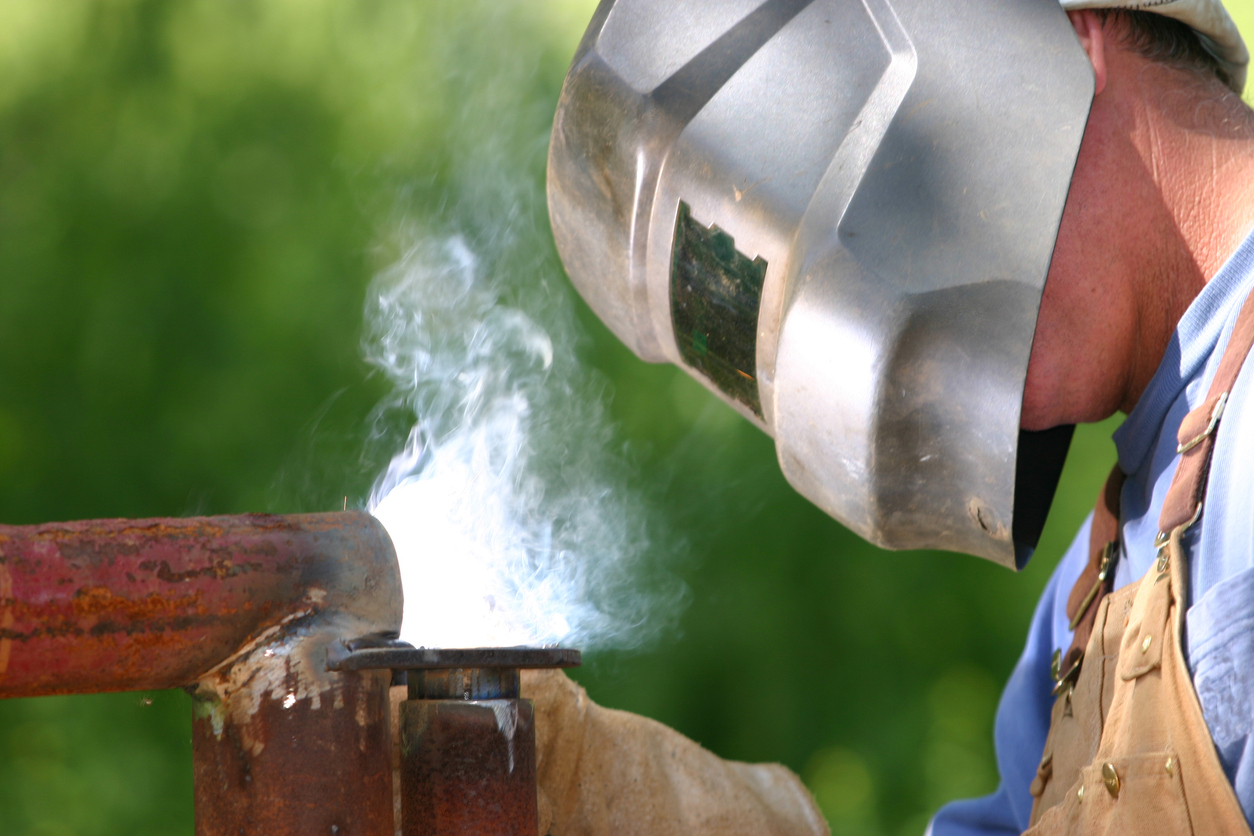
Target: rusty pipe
468	755
118	605
245	611
320	763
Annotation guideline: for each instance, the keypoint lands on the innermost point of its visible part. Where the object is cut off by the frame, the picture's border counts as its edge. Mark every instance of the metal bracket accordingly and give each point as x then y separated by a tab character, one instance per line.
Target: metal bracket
1216	413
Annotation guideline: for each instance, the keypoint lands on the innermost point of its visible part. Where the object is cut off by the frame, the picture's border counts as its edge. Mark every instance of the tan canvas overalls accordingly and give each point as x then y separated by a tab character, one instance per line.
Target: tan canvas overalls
1128	751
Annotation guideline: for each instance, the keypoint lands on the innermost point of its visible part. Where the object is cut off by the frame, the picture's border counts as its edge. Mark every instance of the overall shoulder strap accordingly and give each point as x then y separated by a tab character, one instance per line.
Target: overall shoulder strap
1095	582
1196	436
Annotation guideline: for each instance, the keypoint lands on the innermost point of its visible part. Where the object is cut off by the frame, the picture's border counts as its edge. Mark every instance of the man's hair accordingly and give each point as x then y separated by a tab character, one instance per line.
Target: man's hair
1165	40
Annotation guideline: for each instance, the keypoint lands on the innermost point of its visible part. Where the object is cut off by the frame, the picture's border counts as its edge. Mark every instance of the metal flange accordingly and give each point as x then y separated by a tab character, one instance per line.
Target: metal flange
446	658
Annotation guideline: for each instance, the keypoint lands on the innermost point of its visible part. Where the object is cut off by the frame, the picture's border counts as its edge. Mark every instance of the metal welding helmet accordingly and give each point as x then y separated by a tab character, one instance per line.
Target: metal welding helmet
838	216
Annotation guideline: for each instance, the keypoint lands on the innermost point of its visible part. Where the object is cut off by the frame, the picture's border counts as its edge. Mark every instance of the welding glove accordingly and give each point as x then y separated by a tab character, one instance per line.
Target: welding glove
610	773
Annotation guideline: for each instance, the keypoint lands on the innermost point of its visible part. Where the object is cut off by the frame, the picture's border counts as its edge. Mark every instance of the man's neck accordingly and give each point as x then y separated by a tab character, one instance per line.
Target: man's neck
1203	162
1163	193
1195	142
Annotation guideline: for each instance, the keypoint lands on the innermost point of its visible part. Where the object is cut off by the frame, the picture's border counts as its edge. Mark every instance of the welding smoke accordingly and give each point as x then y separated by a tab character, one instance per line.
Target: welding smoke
510	509
516	513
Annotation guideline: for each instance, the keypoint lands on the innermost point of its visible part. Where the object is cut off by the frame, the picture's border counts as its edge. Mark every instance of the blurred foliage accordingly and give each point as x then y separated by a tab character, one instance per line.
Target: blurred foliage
193	197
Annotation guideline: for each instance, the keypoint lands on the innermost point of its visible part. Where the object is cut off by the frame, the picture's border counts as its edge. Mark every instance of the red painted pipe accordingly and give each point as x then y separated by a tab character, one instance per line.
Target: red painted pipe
113	605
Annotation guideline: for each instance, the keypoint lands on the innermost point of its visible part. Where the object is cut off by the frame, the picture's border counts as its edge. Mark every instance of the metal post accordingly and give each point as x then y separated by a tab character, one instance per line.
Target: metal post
316	765
468	755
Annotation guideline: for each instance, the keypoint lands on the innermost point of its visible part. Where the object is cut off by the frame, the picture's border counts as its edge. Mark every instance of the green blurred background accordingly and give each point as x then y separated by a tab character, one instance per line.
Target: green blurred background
193	198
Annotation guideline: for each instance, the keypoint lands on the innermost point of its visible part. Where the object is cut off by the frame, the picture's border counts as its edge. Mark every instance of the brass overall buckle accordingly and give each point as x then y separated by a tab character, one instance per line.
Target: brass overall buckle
1103	569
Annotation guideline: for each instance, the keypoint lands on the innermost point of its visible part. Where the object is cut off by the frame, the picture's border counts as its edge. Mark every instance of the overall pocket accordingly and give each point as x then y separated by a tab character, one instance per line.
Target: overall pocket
1139	794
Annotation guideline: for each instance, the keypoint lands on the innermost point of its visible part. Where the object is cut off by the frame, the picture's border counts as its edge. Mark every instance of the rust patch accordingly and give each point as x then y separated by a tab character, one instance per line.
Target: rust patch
96	601
219	570
6	617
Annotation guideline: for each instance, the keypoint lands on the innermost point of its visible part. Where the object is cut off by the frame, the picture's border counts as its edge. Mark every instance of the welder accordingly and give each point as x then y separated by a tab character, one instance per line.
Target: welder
917	241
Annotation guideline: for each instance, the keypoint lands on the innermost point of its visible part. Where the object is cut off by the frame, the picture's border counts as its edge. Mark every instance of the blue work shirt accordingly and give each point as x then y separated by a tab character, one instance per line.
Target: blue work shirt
1219	627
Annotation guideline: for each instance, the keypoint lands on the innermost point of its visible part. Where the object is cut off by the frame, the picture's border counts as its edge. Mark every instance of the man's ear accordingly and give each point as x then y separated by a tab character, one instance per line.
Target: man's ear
1088	28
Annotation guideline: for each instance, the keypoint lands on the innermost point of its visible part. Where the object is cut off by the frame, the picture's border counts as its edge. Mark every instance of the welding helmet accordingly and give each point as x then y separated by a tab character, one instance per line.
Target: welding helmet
838	215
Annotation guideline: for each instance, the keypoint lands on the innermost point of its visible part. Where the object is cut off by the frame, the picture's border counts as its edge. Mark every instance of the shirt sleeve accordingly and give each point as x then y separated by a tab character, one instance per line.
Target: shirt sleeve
1022	714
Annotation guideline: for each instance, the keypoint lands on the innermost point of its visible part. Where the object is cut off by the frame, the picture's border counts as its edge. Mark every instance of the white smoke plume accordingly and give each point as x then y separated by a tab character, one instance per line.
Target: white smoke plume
509	506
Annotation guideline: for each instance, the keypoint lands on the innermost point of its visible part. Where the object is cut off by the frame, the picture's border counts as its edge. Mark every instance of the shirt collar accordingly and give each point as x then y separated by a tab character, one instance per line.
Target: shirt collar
1190	347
